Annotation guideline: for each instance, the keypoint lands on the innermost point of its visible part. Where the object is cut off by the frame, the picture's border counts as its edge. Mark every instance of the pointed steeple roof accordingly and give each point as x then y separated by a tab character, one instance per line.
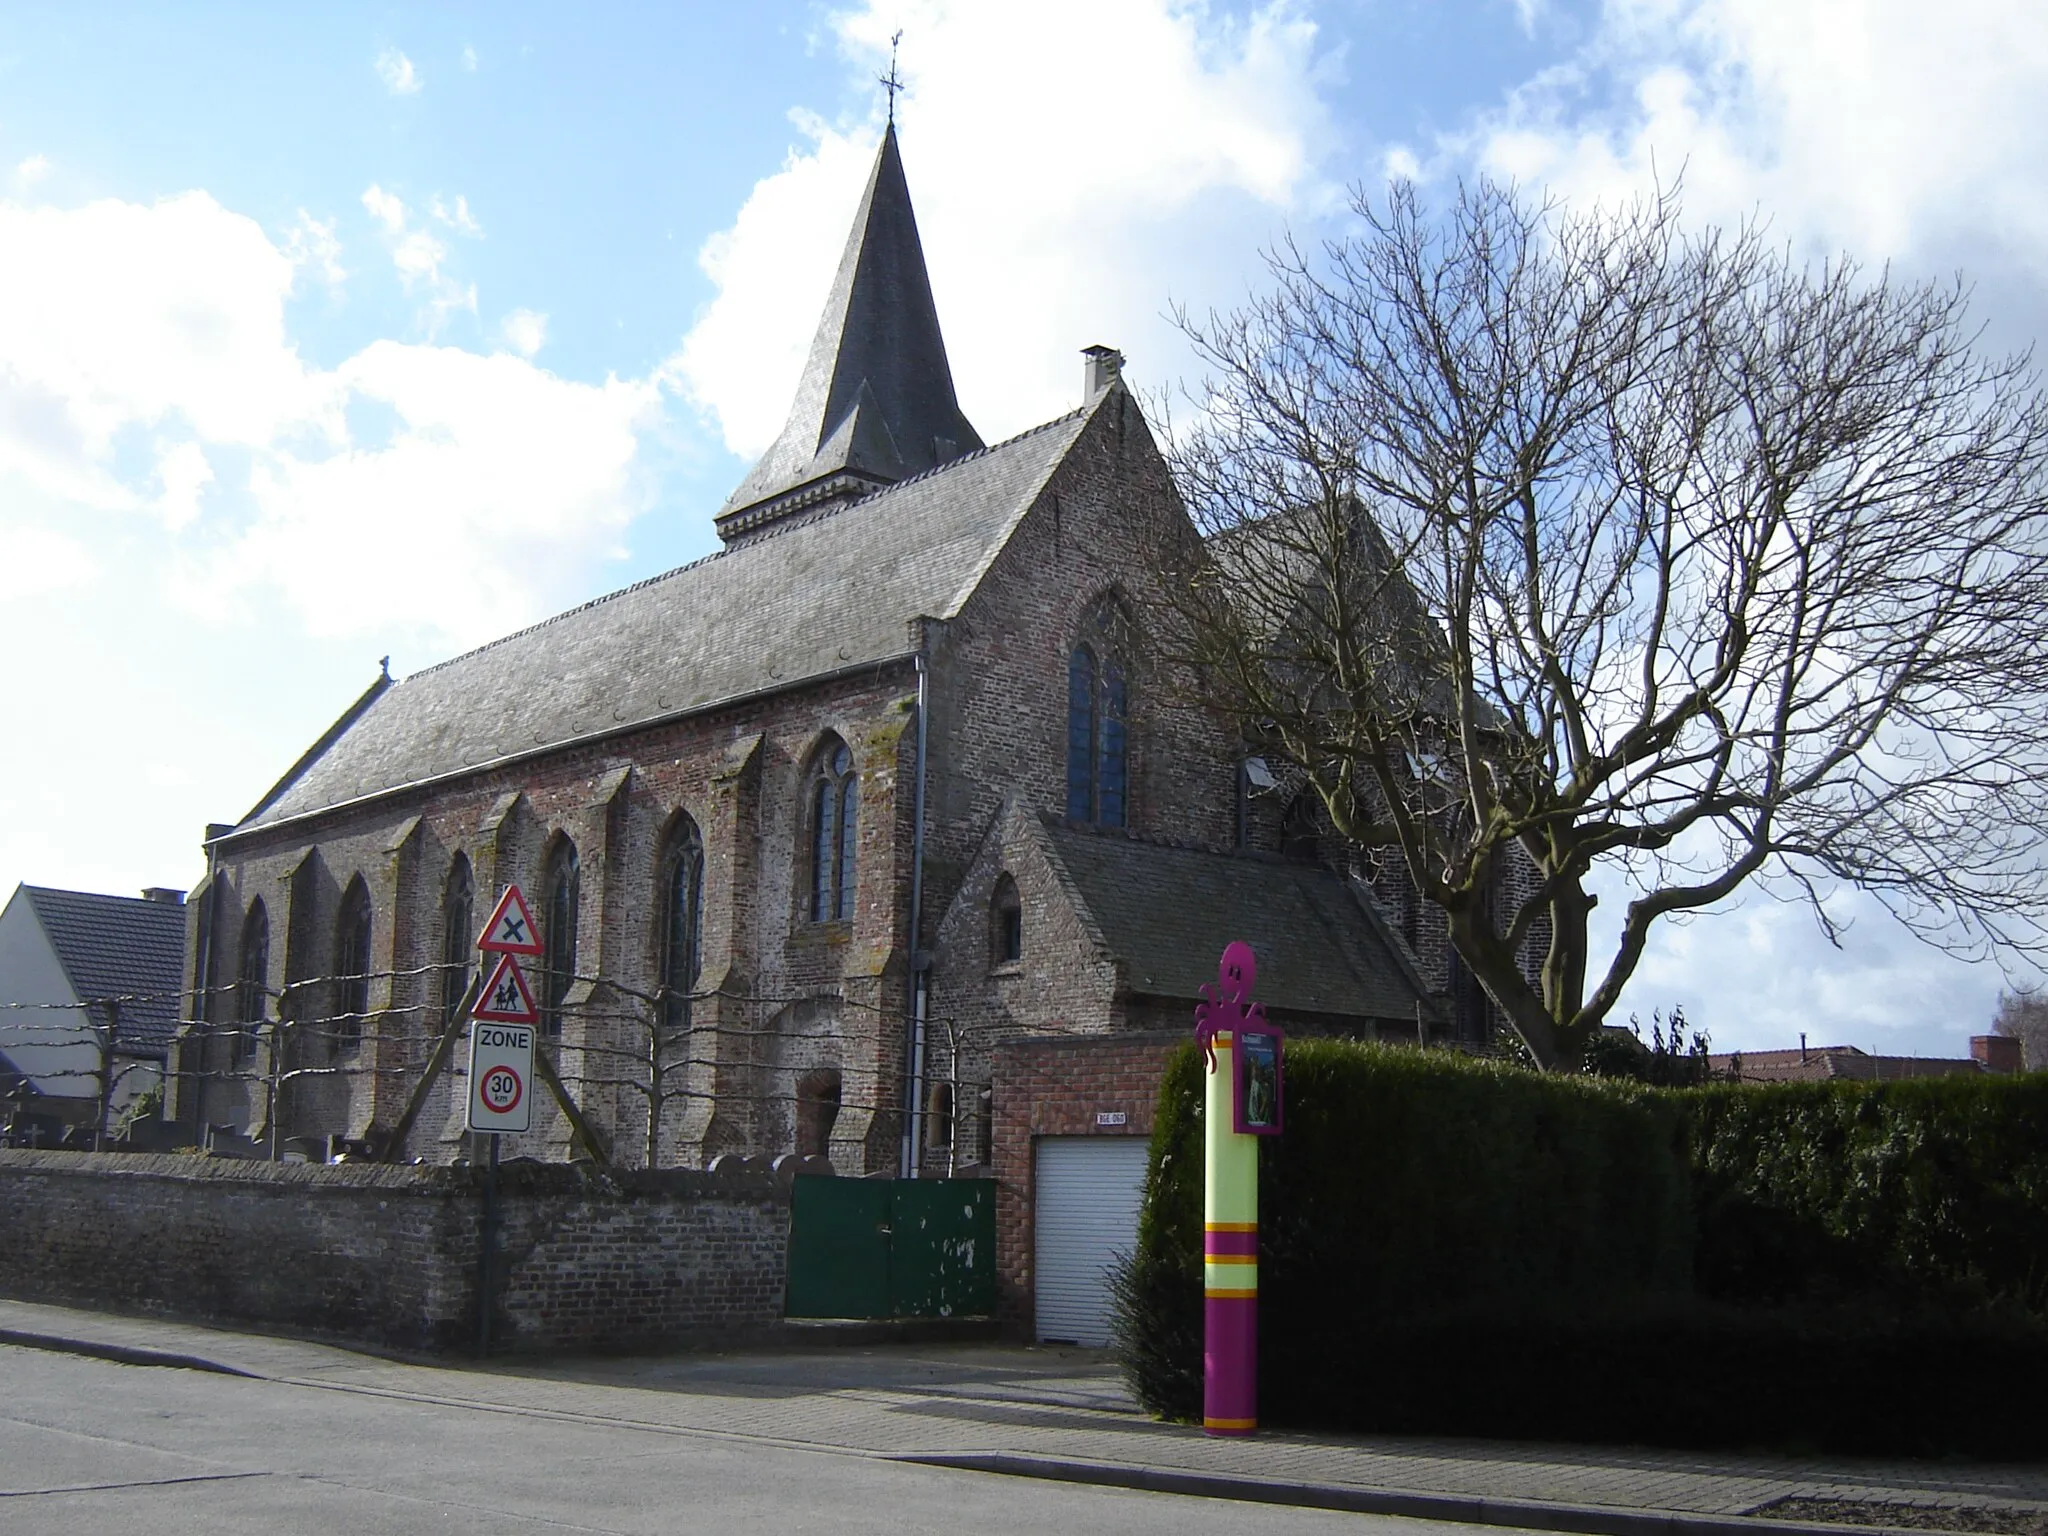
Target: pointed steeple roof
876	401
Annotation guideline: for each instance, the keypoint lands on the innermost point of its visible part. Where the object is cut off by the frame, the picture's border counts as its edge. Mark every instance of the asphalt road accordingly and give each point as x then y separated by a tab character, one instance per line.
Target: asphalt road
87	1446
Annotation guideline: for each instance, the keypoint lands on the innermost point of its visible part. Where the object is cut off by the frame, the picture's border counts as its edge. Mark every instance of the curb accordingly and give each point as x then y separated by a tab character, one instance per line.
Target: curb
1521	1514
121	1354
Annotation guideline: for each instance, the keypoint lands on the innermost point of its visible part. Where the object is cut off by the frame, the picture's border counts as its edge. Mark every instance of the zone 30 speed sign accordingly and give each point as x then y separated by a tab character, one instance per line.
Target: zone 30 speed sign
500	1077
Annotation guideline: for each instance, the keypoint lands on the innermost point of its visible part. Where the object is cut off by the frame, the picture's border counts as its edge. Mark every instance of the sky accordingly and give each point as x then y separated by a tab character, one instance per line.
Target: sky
342	332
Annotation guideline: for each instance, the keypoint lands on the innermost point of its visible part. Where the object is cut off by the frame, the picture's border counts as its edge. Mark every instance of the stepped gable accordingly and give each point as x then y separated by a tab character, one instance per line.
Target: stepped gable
1167	909
814	597
876	401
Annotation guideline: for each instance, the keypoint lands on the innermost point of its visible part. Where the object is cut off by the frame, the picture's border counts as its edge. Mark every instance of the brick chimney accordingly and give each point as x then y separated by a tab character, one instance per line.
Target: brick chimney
1102	368
1996	1053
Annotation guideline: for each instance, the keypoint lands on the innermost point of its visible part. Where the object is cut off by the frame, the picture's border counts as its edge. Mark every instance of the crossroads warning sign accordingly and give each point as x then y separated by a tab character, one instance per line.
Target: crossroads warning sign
500	1077
510	930
506	998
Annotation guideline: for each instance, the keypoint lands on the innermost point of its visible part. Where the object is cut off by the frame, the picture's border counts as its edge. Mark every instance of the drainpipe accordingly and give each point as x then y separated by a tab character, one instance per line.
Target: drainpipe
920	975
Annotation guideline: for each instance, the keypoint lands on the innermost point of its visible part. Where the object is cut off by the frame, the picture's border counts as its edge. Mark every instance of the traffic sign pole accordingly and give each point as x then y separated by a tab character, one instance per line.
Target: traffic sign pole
486	1249
503	1024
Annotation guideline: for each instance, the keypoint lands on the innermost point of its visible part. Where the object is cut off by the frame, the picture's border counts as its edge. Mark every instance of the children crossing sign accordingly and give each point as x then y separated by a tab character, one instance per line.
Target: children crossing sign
500	1077
506	998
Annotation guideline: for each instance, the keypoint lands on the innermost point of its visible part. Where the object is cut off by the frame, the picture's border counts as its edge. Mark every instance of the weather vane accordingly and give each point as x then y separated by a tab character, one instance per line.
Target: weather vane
891	82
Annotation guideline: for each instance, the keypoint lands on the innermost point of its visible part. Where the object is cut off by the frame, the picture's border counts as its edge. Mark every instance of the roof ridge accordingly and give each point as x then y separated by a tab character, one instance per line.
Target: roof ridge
1182	844
761	537
65	890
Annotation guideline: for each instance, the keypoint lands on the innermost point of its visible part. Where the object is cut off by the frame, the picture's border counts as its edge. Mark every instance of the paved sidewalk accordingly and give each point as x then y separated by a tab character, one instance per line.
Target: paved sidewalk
1063	1413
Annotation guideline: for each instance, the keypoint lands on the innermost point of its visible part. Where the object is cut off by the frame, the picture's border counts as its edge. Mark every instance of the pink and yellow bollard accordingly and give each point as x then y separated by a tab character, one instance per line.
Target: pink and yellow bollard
1242	1104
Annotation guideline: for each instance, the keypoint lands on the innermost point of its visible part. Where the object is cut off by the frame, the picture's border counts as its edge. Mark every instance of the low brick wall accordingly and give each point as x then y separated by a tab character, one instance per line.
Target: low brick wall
1066	1085
587	1258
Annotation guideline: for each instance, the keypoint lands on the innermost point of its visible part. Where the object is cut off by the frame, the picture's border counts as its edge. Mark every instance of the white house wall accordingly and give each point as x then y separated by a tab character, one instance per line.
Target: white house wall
54	1047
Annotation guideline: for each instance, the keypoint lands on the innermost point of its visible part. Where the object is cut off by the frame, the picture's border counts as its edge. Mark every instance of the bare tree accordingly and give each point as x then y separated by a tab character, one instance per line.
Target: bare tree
1550	544
2023	1016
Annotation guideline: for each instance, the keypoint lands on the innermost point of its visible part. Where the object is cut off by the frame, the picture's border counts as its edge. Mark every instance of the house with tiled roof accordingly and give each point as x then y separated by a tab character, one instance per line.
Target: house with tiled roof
808	826
1852	1064
89	1000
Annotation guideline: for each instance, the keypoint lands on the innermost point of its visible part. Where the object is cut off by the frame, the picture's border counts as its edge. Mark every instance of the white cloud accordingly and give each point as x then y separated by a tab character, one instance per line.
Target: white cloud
154	407
469	60
525	331
184	472
121	314
1127	150
457	217
1891	128
32	170
41	561
498	471
386	209
312	246
398	74
419	254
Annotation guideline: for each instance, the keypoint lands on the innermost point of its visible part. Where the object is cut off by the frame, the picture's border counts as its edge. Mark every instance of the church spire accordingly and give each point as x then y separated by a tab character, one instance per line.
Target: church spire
876	403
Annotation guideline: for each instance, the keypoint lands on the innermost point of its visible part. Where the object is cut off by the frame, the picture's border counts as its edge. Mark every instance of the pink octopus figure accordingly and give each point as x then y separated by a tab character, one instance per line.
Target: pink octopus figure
1226	1002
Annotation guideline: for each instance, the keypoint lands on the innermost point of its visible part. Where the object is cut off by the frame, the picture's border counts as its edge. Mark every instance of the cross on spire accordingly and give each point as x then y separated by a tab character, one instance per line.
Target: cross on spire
891	82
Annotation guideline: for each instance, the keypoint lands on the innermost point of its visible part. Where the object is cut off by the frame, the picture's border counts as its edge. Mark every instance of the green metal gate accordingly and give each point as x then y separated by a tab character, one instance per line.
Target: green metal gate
892	1248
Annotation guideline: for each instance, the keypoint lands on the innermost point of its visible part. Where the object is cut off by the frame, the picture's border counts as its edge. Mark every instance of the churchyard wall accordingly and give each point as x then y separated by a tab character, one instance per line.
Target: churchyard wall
388	1255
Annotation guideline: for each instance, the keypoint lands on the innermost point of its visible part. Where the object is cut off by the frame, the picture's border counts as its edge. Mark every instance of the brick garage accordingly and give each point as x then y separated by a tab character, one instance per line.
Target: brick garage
1060	1086
387	1256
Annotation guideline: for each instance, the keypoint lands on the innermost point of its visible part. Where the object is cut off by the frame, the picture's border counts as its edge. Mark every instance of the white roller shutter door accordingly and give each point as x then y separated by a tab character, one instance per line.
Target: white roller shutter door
1088	1192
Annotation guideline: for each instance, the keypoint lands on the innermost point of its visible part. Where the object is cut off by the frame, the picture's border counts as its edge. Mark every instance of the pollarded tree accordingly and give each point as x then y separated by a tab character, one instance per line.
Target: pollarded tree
1578	539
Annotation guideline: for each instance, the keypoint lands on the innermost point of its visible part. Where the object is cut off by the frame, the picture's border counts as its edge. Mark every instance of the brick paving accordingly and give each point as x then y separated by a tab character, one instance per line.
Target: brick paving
1048	1407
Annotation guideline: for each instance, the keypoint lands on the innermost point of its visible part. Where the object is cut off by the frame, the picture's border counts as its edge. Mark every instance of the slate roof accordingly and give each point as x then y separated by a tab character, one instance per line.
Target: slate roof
116	946
876	399
802	601
1167	910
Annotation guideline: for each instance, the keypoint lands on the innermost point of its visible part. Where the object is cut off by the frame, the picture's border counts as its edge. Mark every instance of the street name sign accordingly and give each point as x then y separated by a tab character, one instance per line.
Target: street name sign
500	1076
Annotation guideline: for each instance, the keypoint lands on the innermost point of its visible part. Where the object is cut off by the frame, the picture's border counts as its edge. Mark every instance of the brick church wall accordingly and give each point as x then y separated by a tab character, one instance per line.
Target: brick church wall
740	775
999	714
387	1255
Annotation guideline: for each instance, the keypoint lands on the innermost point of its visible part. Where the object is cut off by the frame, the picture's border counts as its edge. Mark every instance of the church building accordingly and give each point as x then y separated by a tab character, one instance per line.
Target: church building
810	826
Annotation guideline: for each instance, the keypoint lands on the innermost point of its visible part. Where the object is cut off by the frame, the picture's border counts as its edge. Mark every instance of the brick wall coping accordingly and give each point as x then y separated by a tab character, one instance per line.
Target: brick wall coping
1033	1043
528	1178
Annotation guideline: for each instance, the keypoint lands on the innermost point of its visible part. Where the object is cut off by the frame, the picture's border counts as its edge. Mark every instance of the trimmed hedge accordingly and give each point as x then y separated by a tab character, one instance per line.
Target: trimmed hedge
1933	1189
1464	1247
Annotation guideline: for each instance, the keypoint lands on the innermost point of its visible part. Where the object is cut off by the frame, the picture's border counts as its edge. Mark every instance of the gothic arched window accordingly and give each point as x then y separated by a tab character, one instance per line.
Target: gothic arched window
682	920
558	965
817	1111
835	820
1299	839
1006	923
1098	740
252	977
352	964
458	918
